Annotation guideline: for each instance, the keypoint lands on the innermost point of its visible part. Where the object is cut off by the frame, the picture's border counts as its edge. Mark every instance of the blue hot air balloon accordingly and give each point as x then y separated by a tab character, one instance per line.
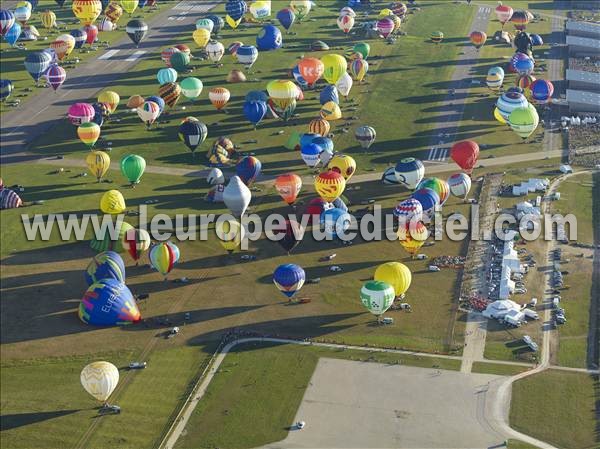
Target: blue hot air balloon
108	302
256	95
311	154
13	34
536	40
338	203
98	118
289	278
329	93
159	101
7	19
6	88
298	77
80	37
247	55
307	138
236	9
217	22
269	38
255	111
248	169
335	222
36	63
193	133
325	143
106	265
286	18
167	75
428	199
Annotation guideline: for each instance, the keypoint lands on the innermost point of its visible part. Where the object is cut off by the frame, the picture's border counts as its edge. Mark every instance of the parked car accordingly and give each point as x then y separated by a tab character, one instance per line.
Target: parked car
137	365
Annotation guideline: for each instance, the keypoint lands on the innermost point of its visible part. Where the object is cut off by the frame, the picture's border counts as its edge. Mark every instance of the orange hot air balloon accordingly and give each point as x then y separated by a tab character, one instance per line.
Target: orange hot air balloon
330	185
311	69
412	236
478	39
219	96
288	186
319	126
465	154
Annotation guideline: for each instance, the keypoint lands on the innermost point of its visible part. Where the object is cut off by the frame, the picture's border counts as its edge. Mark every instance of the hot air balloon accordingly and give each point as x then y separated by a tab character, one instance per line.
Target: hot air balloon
541	91
536	40
91	33
167	53
206	24
22	14
438	185
286	18
110	98
166	76
289	235
344	84
80	37
330	185
460	185
191	87
362	48
301	8
478	38
255	111
365	135
87	11
412	237
113	12
465	154
108	302
329	93
248	169
289	278
230	233
311	69
132	167
310	154
283	94
334	66
525	81
13	34
409	172
112	202
288	186
247	55
6	88
106	25
193	134
215	51
219	96
218	23
63	45
504	13
88	133
408	210
201	37
269	38
129	5
236	9
105	241
345	23
521	19
163	256
48	19
56	76
319	126
36	63
385	26
148	112
343	164
429	199
395	274
495	78
136	242
135	101
79	113
524	66
508	102
524	121
523	42
330	111
105	265
215	177
136	30
335	222
436	37
7	20
377	297
100	379
170	93
359	68
236	196
347	11
260	9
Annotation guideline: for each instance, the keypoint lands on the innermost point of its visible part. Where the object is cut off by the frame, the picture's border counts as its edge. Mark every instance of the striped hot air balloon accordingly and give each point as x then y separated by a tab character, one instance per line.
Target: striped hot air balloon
508	102
170	93
9	199
36	63
80	37
87	11
330	185
319	126
88	133
407	210
192	133
56	76
48	19
167	53
219	96
365	135
7	20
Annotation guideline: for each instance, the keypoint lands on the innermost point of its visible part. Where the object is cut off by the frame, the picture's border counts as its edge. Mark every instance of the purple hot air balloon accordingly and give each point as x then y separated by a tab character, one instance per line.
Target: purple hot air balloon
81	113
385	27
55	75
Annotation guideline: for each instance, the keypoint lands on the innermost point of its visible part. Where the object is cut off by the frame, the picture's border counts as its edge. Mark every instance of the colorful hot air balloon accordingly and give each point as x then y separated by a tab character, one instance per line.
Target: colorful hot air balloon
429	199
524	121
163	257
100	379
282	94
288	186
113	12
91	33
230	233
191	87
111	98
236	9
330	111
377	297
7	20
136	30
438	185
236	196
521	19
286	18
36	63
301	8
22	14
329	93
133	167
504	13
247	55
436	37
330	185
105	265
408	210
248	169
345	23
148	112
358	69
395	274
335	222
166	76
105	241
412	237
478	38
56	76
88	133
215	51
523	65
108	302
385	26
334	66
13	34
170	93
136	242
219	96
541	91
311	69
495	78
167	53
289	278
48	19
409	172
269	38
63	45
525	81
112	202
87	11
193	134
508	102
343	164
460	185
80	37
465	154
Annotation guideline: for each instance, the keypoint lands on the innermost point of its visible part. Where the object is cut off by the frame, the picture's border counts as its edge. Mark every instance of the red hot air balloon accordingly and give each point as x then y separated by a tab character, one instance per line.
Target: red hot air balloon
311	69
465	154
478	39
288	186
504	13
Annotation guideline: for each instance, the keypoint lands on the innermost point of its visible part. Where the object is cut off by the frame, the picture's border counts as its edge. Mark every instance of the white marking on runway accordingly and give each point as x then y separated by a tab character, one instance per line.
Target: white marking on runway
109	54
437	154
135	55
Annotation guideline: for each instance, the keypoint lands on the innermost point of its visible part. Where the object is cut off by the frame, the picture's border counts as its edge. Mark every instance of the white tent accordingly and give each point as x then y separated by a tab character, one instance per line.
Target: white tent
514	317
524	205
499	309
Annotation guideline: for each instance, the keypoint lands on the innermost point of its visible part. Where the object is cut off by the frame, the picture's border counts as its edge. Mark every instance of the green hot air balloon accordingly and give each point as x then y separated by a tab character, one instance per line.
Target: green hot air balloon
180	61
132	167
524	121
106	243
377	296
362	48
191	87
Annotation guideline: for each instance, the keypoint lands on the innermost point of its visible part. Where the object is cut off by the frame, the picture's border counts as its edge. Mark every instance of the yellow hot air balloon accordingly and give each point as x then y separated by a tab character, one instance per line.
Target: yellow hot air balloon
89	132
232	22
330	185
129	5
343	164
319	126
112	202
111	98
100	379
385	12
498	116
48	19
396	274
334	67
87	11
230	234
282	92
331	111
412	236
98	163
201	37
63	45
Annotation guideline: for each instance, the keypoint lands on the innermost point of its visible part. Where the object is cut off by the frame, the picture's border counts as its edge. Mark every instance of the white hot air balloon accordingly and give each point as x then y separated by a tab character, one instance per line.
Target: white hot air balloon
100	379
215	177
236	196
344	84
460	185
215	51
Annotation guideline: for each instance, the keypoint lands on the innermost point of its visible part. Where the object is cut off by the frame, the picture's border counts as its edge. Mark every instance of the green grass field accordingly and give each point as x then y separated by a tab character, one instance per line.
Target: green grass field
558	407
499	369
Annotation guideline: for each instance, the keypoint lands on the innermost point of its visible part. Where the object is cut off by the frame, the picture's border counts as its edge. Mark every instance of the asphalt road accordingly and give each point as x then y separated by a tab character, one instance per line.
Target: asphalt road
24	124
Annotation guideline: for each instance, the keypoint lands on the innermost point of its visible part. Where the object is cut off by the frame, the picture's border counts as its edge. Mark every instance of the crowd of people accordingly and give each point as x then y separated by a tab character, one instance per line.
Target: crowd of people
584	140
